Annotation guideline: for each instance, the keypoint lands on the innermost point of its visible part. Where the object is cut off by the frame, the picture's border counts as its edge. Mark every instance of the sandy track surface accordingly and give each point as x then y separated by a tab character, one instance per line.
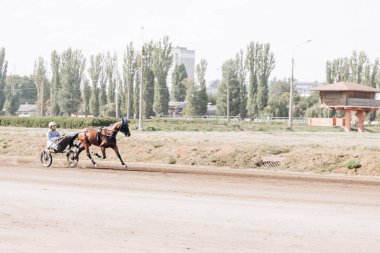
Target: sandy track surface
87	210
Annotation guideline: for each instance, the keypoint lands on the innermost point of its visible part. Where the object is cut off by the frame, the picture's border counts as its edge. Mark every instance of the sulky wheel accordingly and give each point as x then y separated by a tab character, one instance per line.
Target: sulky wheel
72	158
46	158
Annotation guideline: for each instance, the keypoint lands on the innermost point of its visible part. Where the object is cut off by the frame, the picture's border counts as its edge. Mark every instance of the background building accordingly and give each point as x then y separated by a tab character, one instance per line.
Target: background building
304	88
185	56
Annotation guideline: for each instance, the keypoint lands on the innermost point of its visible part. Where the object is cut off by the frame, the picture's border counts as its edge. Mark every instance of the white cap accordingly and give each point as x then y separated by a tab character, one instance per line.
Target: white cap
52	124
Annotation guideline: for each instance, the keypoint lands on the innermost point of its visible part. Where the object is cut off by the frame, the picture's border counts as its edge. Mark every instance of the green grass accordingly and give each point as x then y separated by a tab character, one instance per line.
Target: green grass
173	124
353	165
177	125
157	145
172	161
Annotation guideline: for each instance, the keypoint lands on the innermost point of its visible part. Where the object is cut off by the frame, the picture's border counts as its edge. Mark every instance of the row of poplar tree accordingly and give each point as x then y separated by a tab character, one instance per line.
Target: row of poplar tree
99	88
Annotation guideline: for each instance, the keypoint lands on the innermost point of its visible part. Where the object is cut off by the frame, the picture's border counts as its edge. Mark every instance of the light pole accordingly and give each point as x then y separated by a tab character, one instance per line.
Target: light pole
228	101
141	83
117	98
42	98
290	121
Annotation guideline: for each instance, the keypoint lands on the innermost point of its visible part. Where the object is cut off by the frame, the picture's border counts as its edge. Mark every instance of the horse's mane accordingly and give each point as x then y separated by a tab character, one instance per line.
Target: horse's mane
112	126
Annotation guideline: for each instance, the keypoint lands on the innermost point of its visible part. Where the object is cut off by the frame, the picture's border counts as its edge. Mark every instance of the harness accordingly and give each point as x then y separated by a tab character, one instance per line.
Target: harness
109	137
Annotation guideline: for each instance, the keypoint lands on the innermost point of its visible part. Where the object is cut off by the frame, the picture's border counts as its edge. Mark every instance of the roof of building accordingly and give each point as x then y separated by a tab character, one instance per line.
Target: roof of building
345	86
177	104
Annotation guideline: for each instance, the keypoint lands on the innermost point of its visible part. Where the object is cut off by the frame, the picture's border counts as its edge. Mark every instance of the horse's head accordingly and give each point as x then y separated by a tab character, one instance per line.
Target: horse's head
124	128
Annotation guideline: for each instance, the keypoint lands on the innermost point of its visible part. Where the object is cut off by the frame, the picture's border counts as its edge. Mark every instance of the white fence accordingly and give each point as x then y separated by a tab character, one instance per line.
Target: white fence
236	118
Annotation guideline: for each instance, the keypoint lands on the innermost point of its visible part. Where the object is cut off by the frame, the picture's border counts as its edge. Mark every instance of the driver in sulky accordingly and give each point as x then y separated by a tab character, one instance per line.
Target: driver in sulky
52	135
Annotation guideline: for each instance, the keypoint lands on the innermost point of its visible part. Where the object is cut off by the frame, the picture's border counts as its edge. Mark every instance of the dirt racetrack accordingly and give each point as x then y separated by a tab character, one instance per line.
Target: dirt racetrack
101	210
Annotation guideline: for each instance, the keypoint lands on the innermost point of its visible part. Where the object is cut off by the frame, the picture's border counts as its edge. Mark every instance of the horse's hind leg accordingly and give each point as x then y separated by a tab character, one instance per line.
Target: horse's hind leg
115	148
80	150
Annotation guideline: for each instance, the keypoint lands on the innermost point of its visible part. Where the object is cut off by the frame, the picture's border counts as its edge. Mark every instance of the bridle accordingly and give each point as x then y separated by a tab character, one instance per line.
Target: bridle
122	128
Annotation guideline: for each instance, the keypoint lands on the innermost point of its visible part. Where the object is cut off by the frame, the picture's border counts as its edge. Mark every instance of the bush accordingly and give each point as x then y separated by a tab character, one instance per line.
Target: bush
63	122
172	161
353	165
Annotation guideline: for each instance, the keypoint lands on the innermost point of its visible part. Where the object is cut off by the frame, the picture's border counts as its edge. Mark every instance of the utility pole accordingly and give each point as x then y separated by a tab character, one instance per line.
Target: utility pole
228	101
141	92
141	83
42	98
117	98
290	121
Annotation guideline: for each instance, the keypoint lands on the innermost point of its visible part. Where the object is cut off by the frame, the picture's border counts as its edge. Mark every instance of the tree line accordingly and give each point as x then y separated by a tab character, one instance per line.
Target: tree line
358	68
96	86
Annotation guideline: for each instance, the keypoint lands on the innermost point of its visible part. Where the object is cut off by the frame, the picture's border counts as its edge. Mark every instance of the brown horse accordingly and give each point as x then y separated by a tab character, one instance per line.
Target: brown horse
103	138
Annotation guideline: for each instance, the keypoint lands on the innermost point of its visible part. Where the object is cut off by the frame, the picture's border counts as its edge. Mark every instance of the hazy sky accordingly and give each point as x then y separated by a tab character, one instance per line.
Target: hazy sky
216	30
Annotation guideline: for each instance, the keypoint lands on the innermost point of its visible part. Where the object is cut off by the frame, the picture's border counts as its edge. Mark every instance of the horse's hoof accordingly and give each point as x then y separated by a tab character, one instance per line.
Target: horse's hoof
125	166
95	165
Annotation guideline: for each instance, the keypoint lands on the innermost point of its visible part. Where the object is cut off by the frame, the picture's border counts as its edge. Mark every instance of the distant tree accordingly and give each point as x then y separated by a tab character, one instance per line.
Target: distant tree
86	95
260	62
129	70
374	78
357	63
3	75
25	87
212	98
278	100
212	91
94	72
338	70
202	99
329	72
267	63
103	85
94	101
191	97
55	83
73	65
178	88
12	102
120	95
109	110
148	79
253	65
42	85
111	70
230	81
278	87
242	74
136	94
356	68
162	61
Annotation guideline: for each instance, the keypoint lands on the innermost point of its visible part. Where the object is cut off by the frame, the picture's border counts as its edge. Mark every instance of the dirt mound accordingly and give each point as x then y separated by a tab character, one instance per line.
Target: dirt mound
314	152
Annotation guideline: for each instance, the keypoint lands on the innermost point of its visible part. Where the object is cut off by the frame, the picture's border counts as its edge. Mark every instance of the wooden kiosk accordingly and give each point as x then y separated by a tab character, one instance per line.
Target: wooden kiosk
349	97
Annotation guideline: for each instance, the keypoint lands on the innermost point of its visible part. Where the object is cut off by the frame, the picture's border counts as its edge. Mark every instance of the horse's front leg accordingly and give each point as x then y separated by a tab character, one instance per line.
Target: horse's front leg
115	148
103	149
87	147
